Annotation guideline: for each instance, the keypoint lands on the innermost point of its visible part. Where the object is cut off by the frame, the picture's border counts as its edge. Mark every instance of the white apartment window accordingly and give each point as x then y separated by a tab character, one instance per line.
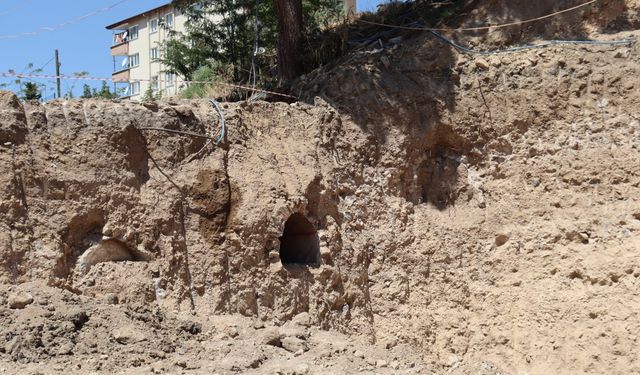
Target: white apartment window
168	20
133	33
134	88
153	25
134	60
154	54
155	83
169	78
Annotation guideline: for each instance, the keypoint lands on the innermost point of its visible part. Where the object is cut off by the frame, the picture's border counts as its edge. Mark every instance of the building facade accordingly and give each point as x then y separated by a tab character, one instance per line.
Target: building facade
136	48
137	43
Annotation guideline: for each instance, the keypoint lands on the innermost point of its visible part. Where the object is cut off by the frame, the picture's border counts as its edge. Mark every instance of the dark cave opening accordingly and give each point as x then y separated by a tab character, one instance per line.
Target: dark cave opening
299	244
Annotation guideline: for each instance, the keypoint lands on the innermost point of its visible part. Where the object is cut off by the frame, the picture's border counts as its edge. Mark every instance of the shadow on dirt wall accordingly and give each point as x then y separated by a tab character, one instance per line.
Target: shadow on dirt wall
404	82
399	83
403	91
571	25
407	77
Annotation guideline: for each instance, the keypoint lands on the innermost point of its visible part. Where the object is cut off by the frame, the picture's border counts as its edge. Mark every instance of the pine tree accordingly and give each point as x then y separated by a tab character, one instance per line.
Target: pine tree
105	92
86	92
31	91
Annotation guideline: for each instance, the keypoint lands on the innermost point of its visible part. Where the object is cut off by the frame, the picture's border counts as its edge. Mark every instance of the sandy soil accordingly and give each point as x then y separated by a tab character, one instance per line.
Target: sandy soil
467	214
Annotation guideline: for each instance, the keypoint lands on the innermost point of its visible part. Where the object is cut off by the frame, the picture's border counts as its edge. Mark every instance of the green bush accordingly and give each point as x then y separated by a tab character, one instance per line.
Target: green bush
205	85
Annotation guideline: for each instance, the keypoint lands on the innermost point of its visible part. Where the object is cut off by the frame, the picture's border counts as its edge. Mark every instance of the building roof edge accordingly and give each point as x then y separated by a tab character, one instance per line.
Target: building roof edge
127	20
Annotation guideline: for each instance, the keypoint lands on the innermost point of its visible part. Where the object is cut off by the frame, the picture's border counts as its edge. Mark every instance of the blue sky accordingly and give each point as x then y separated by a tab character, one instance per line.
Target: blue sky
83	44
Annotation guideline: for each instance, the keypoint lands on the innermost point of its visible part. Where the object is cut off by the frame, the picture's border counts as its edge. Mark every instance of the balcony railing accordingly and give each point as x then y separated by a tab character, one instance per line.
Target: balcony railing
120	38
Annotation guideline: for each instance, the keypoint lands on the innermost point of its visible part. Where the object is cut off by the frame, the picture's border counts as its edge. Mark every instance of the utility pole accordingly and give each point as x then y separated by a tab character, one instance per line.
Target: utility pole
58	73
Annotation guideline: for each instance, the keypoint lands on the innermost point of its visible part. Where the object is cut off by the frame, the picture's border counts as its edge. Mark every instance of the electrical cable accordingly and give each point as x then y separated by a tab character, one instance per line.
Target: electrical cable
223	125
547	43
46	64
63	24
480	28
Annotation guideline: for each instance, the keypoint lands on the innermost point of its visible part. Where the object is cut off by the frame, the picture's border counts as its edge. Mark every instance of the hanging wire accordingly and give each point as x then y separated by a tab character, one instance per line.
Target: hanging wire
46	29
218	140
46	64
256	30
480	28
223	125
544	44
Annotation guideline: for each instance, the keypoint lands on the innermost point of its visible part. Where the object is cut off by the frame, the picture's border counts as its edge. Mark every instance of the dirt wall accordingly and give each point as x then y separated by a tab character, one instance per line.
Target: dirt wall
479	211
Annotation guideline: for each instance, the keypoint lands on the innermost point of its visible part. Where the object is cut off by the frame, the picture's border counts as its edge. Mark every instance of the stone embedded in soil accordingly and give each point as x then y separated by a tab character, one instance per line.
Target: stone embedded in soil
388	344
294	344
111	298
128	335
19	300
578	237
501	239
303	369
371	361
232	332
302	319
65	349
482	64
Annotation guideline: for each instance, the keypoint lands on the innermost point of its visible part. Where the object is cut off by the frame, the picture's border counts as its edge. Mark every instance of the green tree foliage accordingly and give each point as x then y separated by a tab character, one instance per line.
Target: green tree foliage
104	92
215	31
208	73
69	94
20	87
182	57
31	91
240	34
148	95
86	92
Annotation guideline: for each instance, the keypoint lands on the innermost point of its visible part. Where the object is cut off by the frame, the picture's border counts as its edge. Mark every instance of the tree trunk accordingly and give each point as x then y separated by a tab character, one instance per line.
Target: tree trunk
289	14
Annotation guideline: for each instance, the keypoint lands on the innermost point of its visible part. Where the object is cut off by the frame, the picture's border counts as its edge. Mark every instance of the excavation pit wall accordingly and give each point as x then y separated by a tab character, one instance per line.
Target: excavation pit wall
488	217
101	206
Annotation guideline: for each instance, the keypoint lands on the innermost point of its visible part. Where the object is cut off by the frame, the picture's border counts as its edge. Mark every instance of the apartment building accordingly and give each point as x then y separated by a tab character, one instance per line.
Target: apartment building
136	48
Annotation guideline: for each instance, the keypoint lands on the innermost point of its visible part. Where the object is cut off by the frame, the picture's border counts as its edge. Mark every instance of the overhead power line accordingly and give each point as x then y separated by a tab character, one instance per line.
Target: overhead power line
46	64
47	29
480	28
